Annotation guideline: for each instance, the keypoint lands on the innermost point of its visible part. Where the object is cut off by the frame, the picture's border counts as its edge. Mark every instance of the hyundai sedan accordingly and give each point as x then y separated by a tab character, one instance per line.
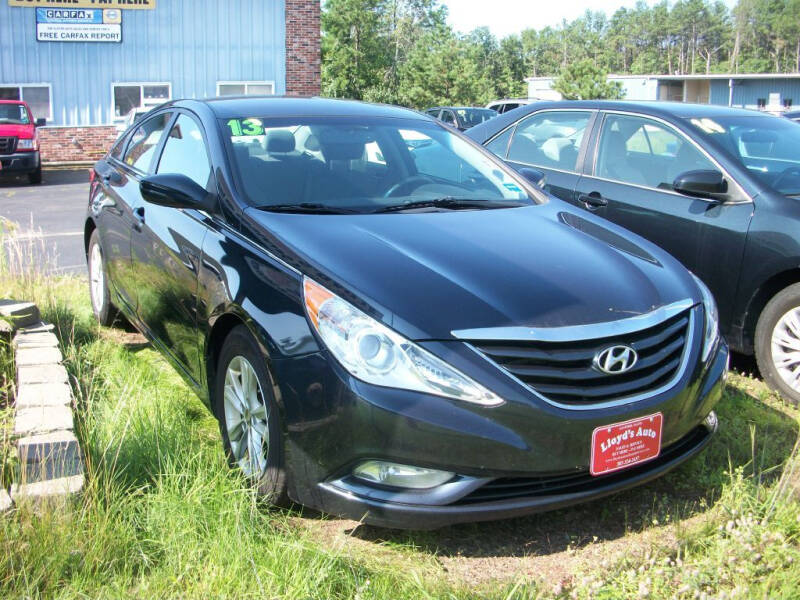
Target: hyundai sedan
384	338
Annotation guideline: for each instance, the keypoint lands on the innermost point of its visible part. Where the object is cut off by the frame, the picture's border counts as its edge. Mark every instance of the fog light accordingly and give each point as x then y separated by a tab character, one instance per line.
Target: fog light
711	421
405	476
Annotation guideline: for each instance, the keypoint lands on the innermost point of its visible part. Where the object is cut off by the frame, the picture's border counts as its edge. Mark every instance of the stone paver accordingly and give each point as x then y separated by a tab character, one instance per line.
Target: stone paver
20	314
5	501
37	356
47	489
36	340
49	456
43	419
41	374
40	327
43	394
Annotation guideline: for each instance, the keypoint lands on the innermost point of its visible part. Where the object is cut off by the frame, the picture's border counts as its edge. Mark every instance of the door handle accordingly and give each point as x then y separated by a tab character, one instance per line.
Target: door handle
593	201
138	214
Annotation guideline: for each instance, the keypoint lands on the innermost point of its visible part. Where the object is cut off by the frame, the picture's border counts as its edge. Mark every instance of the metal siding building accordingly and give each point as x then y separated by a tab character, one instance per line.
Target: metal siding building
192	45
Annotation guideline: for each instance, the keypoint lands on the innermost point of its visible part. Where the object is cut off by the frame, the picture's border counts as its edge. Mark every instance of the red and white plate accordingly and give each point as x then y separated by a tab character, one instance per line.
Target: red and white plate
623	445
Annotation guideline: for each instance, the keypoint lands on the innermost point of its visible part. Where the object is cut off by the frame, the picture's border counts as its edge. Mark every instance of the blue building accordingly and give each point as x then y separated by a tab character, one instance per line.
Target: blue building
89	63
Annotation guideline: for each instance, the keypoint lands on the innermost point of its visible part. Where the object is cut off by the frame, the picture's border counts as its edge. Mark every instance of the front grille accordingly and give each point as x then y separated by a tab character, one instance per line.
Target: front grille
8	145
563	371
508	488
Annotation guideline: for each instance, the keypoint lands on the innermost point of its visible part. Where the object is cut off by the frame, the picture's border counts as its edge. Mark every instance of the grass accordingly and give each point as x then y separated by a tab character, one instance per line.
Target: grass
162	515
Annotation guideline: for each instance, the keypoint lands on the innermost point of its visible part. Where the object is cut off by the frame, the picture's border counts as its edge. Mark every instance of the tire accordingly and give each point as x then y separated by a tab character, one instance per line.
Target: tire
104	311
265	470
35	177
777	343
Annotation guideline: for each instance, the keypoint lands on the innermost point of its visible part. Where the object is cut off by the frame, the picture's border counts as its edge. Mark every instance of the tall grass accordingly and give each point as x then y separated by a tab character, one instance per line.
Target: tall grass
162	516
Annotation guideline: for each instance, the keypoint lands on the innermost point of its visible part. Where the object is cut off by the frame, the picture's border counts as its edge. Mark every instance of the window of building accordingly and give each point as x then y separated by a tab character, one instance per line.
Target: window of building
245	88
127	96
37	95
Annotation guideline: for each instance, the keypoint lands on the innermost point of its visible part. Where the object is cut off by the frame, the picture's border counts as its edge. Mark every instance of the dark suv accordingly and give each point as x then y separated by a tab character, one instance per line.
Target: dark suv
719	188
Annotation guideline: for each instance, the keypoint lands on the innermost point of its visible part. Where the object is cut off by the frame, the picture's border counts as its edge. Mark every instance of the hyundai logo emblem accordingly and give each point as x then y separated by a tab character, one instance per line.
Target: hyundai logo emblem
615	359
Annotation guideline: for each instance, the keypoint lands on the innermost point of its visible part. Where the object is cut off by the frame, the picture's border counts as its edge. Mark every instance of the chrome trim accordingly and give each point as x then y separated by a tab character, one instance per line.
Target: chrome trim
687	348
570	333
679	133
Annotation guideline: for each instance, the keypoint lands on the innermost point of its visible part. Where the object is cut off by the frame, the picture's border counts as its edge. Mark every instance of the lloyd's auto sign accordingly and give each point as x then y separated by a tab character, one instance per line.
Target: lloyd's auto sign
78	25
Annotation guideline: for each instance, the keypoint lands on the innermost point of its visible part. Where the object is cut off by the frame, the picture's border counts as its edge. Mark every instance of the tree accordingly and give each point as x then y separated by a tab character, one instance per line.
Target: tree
583	80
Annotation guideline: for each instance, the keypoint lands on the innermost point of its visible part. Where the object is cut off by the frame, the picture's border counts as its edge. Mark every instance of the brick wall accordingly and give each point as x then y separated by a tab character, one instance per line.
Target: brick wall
75	144
302	48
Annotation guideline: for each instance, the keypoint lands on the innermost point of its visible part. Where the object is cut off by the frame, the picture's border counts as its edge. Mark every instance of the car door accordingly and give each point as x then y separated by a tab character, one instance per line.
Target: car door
629	179
114	204
166	247
550	141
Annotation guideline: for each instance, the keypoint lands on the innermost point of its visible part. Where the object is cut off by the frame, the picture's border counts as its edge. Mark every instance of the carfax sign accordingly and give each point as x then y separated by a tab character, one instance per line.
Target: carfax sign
78	25
126	4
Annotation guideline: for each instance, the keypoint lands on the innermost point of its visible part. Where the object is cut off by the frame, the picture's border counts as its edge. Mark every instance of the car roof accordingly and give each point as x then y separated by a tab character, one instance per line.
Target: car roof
680	110
283	106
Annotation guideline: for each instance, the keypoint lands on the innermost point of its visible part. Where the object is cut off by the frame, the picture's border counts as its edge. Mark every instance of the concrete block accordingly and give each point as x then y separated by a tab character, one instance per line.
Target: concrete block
29	421
37	356
35	340
5	502
40	327
35	395
52	488
20	314
41	374
49	456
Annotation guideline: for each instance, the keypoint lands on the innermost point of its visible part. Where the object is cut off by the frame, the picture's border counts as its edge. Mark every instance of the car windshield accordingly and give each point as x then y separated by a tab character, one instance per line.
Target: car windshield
475	116
768	147
15	114
363	165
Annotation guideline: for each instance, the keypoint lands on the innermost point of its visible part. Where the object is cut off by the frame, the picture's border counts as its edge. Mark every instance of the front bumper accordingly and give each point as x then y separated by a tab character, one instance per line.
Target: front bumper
20	162
538	450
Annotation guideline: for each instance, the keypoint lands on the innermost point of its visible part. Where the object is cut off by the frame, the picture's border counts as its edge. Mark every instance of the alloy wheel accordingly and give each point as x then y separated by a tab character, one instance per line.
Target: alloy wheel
786	348
246	417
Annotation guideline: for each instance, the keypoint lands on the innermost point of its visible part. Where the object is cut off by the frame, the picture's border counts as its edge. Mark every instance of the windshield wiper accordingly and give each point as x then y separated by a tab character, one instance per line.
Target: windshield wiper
307	207
451	203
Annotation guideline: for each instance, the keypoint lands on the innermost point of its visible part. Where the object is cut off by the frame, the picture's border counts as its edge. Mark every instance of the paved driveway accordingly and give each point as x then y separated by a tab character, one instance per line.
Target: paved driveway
47	221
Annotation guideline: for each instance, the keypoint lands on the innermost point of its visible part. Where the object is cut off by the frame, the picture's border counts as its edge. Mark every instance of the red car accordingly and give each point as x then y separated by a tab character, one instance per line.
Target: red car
19	142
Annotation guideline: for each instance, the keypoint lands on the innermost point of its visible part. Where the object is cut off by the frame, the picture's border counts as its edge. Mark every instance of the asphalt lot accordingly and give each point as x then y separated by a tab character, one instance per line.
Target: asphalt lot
46	231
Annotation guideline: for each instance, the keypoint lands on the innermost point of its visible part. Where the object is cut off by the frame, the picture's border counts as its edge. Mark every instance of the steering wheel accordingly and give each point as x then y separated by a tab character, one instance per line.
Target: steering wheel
785	174
412	182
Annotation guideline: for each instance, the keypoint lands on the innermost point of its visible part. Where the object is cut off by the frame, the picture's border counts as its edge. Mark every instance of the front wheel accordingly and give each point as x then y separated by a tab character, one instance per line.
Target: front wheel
777	343
104	311
249	419
35	177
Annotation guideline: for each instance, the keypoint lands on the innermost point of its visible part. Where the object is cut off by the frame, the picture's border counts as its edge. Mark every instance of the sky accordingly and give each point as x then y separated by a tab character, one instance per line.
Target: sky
504	17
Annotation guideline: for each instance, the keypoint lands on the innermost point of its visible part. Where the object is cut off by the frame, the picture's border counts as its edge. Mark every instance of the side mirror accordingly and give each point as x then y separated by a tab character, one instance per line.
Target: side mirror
535	176
176	191
703	184
41	122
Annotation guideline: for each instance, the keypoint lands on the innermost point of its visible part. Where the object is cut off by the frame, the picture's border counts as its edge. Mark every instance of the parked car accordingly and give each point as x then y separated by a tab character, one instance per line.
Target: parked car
381	341
793	115
19	142
508	104
461	117
716	187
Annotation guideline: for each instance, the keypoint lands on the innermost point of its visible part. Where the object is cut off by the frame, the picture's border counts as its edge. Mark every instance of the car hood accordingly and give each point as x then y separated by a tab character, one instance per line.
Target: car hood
427	274
18	131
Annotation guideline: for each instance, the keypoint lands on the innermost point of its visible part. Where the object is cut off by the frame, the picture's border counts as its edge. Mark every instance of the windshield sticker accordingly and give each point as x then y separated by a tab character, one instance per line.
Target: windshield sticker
512	187
248	127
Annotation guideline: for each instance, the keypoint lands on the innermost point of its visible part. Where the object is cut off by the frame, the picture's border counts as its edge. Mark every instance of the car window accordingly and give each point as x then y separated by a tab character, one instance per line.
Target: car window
645	152
549	139
185	152
510	106
360	164
499	145
145	140
119	146
447	117
434	112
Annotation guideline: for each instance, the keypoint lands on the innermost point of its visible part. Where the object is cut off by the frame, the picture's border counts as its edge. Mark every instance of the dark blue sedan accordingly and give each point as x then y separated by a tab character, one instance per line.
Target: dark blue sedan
391	324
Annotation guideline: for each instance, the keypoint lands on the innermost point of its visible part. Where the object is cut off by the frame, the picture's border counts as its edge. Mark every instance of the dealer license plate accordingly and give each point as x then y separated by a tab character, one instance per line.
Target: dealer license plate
623	445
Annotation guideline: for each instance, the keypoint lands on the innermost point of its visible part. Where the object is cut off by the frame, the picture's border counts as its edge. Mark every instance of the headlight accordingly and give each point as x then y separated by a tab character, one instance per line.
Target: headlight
26	144
374	353
711	331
